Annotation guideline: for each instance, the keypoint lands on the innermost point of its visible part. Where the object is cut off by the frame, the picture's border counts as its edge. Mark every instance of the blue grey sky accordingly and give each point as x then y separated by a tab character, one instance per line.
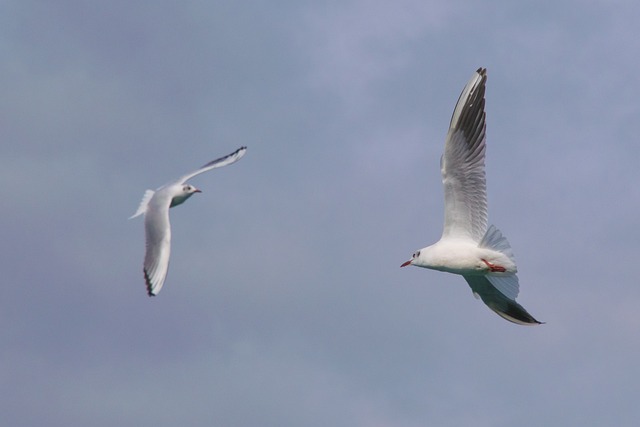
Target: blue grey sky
285	304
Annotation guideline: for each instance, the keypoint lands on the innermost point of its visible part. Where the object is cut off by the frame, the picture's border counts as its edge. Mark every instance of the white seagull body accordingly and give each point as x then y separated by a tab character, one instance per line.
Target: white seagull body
155	207
481	254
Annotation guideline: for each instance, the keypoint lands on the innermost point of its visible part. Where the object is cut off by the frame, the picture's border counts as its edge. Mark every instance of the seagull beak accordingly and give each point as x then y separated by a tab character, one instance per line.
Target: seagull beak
197	190
404	264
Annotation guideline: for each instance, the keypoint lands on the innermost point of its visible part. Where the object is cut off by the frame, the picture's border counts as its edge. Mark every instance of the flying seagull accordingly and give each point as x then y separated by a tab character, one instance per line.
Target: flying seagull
155	207
480	254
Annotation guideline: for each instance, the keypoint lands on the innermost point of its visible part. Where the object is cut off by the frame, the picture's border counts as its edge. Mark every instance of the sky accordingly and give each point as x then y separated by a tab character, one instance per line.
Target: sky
285	304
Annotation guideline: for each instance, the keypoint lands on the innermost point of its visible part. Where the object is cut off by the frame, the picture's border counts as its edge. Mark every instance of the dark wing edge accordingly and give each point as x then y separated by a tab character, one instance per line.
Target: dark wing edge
217	163
506	308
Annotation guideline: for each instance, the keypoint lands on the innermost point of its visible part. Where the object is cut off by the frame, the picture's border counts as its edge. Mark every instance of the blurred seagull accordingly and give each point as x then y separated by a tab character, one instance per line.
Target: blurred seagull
155	207
467	247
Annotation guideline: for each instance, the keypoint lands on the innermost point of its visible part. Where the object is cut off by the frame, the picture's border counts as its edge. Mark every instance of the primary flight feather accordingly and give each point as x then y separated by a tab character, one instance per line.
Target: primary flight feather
481	254
155	207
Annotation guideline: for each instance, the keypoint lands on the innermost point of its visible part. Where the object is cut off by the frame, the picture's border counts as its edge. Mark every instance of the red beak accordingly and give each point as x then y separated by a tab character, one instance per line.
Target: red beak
197	191
404	264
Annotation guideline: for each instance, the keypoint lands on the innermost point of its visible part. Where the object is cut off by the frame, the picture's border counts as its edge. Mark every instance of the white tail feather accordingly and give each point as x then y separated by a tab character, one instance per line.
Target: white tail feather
143	203
493	239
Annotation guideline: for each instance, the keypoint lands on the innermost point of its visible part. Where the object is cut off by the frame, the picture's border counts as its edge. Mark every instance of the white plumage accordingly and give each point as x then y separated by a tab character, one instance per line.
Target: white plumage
155	207
481	254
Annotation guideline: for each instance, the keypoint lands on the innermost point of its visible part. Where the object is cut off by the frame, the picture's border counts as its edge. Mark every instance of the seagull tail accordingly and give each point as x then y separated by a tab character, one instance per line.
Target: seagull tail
493	239
143	203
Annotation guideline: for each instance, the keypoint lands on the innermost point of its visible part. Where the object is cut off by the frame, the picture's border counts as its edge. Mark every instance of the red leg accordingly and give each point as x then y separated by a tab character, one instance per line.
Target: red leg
493	267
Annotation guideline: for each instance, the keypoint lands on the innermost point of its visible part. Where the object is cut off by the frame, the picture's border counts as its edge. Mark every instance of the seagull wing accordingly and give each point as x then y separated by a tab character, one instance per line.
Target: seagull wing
462	165
158	242
500	297
217	163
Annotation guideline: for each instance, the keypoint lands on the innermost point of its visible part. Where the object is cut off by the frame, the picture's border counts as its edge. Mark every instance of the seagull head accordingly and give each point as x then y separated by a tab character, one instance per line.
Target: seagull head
414	257
190	189
182	193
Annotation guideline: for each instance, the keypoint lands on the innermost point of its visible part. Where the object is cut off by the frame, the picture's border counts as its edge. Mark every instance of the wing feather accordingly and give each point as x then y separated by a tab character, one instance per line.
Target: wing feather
462	164
158	244
217	163
499	300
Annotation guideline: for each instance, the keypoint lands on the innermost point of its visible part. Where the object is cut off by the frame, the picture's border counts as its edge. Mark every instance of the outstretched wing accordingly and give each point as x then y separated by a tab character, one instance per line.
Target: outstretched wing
462	164
217	163
158	244
501	299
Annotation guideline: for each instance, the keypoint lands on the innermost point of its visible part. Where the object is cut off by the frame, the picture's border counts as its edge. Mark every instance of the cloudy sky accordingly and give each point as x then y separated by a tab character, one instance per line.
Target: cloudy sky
285	304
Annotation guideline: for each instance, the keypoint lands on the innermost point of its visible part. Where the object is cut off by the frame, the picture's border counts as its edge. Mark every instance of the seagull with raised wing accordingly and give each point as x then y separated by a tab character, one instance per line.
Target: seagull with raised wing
155	207
480	254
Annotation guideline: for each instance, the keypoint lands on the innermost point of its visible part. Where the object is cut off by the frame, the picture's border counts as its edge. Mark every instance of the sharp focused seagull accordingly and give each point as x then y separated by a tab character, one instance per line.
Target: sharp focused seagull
481	254
155	207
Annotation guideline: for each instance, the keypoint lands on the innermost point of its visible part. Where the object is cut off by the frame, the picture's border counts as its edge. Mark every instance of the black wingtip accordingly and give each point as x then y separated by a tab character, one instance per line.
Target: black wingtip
515	313
147	282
